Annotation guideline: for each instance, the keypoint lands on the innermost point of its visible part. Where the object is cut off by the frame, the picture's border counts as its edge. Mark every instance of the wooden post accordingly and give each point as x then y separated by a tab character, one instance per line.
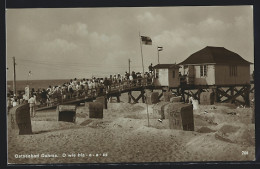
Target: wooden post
132	97
215	93
188	96
183	97
217	99
158	55
129	97
232	94
247	98
129	65
105	102
199	92
142	92
178	91
118	99
160	95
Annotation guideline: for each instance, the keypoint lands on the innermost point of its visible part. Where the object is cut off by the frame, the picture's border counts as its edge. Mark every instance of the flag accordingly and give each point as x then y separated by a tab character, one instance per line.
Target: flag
146	40
160	48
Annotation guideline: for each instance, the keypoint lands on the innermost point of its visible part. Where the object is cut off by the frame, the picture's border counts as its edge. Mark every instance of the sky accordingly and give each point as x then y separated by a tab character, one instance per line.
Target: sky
66	43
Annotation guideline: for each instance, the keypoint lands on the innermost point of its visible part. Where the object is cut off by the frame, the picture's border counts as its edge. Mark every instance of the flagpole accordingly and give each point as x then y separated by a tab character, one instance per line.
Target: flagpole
158	55
27	79
141	52
143	75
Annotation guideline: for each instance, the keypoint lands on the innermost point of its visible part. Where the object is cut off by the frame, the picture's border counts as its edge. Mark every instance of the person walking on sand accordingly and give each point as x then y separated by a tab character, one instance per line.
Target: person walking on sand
32	102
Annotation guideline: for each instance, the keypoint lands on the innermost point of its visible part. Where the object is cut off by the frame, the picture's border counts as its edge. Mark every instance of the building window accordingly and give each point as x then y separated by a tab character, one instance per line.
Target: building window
233	70
203	70
173	74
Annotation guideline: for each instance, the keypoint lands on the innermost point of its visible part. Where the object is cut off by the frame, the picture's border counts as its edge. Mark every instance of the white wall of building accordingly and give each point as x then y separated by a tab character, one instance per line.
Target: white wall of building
166	78
209	79
162	79
174	80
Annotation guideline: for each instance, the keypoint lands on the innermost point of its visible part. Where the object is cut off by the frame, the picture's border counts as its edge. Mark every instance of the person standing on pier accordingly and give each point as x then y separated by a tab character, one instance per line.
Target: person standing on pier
151	68
32	102
127	76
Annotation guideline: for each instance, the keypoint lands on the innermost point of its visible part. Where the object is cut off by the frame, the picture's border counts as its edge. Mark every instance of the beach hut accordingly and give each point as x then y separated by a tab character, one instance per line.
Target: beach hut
166	75
220	69
216	66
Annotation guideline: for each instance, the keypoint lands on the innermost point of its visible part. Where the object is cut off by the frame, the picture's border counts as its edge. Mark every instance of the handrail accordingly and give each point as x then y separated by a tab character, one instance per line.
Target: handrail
100	89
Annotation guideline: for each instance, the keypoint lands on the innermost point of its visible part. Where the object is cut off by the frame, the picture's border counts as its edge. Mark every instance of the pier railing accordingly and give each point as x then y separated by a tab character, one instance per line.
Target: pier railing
97	90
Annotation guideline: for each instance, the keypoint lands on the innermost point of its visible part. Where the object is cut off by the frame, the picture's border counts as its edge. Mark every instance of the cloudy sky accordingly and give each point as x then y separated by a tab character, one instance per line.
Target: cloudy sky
68	43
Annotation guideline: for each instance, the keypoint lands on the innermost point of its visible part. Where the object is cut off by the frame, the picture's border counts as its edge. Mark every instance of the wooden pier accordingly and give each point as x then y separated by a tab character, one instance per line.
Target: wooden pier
221	93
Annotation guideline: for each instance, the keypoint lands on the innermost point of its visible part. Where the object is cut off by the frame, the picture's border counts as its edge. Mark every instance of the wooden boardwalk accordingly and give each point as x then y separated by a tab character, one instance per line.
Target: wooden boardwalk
229	93
115	90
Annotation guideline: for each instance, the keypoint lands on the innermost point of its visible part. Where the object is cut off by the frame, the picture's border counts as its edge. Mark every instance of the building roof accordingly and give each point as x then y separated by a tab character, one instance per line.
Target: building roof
166	66
215	55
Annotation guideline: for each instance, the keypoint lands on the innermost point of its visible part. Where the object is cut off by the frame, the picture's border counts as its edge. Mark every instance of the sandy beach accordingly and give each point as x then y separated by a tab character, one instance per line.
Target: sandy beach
223	132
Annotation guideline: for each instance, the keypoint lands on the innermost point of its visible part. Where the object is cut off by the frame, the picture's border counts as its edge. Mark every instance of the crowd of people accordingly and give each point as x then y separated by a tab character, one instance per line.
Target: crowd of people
80	88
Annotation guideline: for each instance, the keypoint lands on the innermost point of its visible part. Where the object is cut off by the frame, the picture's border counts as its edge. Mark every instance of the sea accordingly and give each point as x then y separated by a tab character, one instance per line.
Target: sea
36	84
